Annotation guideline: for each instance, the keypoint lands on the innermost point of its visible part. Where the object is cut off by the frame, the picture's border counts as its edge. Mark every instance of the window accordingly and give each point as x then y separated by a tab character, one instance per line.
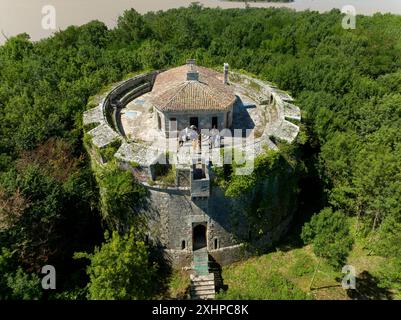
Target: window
214	122
193	121
183	246
216	243
173	124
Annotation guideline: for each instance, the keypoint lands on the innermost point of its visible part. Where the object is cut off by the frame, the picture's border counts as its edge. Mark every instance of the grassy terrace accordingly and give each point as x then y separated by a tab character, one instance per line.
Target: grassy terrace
286	273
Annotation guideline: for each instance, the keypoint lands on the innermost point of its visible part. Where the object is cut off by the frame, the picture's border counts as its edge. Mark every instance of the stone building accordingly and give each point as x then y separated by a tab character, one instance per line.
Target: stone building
192	95
187	212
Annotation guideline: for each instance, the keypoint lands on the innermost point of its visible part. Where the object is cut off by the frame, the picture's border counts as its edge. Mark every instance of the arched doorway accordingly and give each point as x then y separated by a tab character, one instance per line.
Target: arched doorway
199	237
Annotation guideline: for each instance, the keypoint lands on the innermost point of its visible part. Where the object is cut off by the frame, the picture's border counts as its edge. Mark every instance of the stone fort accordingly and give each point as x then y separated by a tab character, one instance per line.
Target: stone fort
171	127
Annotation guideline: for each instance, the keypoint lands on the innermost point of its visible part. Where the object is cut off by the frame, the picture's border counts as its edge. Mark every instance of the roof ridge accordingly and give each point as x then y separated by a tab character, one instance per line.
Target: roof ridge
183	84
213	97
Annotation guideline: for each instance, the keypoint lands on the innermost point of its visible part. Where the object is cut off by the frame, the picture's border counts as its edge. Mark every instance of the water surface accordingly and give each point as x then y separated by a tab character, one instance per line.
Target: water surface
17	16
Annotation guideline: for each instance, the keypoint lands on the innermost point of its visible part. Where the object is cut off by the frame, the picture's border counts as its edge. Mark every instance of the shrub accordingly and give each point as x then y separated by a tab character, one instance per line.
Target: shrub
120	269
329	233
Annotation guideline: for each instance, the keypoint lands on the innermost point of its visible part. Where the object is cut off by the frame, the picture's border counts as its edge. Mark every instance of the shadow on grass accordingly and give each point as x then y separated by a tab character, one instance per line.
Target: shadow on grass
216	269
367	289
326	287
164	273
290	242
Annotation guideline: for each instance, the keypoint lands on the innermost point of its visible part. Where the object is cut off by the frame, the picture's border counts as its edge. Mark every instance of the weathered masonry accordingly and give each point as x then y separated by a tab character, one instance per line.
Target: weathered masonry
158	119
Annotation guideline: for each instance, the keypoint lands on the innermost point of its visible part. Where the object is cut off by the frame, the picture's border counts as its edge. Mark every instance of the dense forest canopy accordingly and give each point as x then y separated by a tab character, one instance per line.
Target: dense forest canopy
347	83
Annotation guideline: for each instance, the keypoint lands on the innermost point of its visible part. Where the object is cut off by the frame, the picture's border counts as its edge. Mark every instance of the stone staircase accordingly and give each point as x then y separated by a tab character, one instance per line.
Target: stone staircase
202	287
202	282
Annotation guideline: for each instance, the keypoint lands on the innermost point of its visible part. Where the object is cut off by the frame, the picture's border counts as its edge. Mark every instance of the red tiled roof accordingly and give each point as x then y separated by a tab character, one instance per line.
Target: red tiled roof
172	91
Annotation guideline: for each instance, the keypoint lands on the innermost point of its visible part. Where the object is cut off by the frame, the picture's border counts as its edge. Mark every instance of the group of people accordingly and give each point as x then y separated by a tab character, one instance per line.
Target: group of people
193	134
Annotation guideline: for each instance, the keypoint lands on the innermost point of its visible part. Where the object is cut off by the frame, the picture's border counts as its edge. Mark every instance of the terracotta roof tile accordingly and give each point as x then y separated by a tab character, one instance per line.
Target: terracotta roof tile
172	91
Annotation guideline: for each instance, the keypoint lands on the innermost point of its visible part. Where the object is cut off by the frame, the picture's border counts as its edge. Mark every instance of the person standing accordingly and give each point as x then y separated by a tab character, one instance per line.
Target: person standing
215	136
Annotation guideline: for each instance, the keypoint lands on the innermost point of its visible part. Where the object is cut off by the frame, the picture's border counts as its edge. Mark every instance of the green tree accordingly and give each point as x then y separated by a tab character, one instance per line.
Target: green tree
153	55
6	266
329	234
17	285
131	26
24	286
122	197
120	269
388	245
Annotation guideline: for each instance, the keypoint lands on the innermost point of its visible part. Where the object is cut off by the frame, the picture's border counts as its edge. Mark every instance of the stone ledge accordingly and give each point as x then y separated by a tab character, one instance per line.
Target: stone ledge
292	112
103	135
145	155
139	153
94	115
280	128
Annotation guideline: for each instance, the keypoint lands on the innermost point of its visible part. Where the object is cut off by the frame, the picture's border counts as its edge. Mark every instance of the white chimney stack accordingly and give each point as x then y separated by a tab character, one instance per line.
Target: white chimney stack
225	81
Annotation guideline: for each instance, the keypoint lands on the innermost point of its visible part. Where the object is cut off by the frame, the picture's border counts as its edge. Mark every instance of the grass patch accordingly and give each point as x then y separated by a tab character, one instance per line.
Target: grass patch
168	179
90	126
303	265
178	286
109	151
134	164
287	275
165	174
269	285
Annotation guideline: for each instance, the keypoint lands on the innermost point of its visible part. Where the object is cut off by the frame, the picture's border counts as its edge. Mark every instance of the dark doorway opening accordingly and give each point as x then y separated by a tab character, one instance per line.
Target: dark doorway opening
193	121
173	124
199	237
214	122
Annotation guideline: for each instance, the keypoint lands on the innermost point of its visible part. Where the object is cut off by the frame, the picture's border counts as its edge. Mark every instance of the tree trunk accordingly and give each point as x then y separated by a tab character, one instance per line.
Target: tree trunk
375	220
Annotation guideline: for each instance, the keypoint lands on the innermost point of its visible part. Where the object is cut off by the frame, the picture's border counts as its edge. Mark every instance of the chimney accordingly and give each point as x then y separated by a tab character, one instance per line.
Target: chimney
192	74
225	81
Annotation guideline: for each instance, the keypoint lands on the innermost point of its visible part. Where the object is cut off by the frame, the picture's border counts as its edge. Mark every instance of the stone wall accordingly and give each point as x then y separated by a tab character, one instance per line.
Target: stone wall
204	120
122	94
227	255
172	215
104	116
200	186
